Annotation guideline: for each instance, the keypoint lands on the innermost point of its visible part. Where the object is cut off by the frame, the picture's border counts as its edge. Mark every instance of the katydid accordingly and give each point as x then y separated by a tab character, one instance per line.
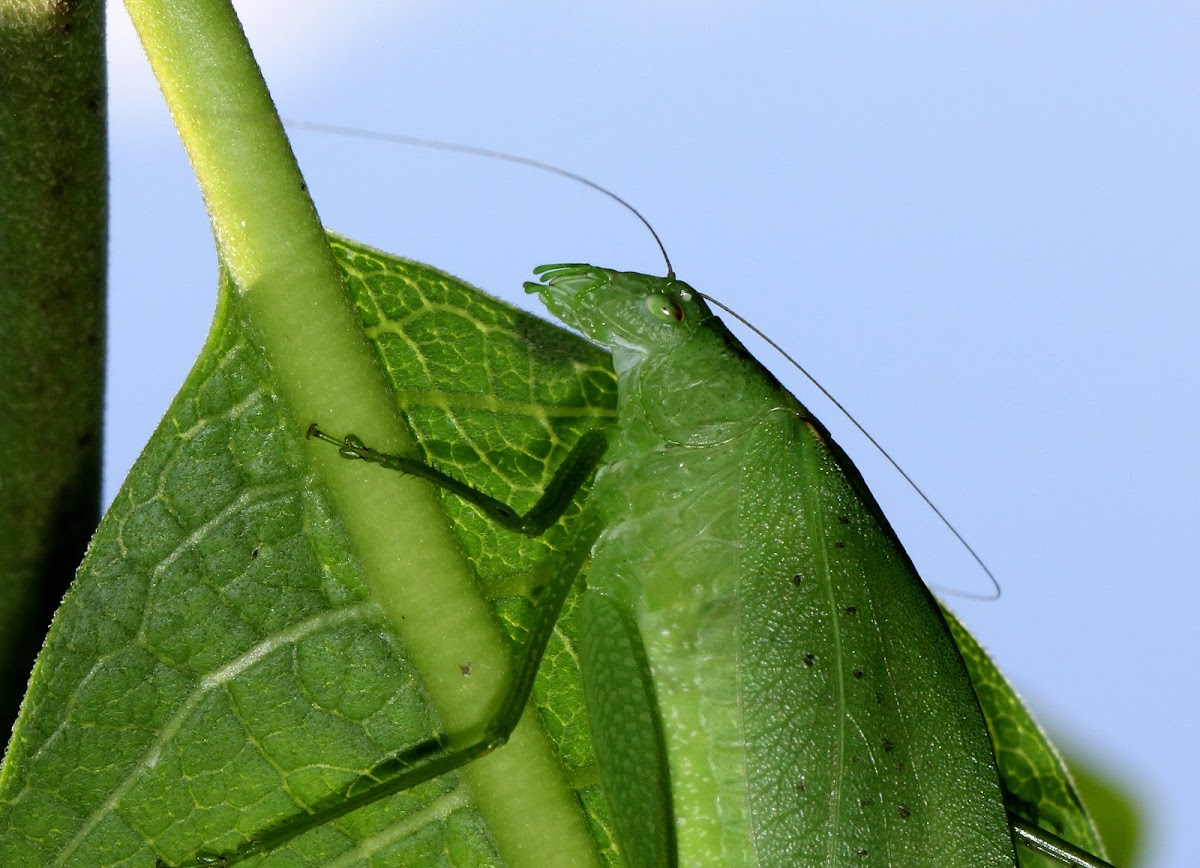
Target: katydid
768	680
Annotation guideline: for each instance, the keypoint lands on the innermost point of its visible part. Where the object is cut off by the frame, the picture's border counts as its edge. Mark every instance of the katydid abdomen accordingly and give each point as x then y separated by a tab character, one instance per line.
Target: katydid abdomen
814	708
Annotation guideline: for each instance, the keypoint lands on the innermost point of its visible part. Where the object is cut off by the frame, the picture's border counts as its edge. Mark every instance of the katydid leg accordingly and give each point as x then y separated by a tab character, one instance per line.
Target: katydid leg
435	757
431	758
627	730
570	476
1037	839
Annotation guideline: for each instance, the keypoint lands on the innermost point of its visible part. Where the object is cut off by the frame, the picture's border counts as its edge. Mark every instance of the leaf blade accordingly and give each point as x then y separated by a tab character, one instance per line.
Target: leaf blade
1031	769
225	555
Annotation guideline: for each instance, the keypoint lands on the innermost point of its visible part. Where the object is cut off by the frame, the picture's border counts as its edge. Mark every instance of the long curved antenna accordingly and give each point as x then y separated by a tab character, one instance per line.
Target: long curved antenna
439	145
890	460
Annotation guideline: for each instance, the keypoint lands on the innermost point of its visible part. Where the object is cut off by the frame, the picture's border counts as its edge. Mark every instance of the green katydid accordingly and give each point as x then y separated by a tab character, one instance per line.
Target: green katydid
881	678
752	625
743	575
768	680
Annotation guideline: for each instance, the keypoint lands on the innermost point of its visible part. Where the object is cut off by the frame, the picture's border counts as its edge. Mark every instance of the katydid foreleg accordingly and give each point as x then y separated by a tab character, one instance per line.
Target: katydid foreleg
623	698
570	476
441	755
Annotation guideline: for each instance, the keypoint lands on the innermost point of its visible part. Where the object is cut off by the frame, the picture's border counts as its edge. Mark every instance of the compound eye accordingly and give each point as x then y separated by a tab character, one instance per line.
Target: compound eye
665	308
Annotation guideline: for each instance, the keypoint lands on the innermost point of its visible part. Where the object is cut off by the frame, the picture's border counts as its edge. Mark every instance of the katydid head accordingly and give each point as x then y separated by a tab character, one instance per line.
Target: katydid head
621	309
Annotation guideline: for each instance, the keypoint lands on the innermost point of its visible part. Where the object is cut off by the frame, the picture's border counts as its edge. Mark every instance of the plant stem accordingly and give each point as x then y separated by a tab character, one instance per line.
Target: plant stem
53	223
289	293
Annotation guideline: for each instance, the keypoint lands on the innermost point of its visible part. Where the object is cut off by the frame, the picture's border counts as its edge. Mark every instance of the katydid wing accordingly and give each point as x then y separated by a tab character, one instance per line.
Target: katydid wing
797	658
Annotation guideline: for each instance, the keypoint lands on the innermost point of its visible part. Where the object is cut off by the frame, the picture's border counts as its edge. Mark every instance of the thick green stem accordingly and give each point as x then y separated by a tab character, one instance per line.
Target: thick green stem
53	221
290	295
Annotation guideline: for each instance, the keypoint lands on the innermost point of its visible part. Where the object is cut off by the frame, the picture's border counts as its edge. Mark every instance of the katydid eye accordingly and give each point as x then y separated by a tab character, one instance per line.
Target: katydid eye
665	308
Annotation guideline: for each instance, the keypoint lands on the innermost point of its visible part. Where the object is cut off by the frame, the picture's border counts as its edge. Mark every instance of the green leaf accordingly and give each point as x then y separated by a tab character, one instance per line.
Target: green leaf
1039	786
223	661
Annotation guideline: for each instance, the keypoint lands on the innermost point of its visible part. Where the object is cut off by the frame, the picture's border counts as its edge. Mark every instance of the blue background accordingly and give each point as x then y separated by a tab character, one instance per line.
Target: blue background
975	223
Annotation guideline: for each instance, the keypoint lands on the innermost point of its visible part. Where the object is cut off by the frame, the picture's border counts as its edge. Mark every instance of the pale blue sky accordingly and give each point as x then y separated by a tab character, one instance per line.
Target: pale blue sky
977	224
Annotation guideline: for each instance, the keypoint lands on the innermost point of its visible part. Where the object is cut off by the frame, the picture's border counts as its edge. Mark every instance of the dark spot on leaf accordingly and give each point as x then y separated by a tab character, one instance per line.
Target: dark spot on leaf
254	553
904	812
839	544
857	673
878	698
863	852
800	786
844	519
797	579
888	745
465	668
852	610
808	659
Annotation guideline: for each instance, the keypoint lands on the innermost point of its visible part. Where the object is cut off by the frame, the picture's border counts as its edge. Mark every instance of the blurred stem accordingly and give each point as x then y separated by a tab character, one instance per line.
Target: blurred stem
53	185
